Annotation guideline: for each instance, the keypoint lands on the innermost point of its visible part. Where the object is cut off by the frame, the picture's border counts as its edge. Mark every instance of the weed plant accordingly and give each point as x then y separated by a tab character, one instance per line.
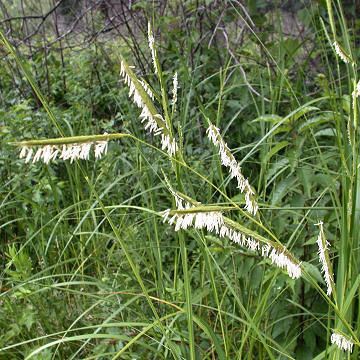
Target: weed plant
228	230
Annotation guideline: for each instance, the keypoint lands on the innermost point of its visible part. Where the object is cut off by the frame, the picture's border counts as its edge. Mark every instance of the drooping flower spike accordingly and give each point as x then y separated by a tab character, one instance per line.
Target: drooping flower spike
151	41
147	89
174	89
229	161
67	148
355	94
154	122
341	53
342	342
323	252
48	153
211	219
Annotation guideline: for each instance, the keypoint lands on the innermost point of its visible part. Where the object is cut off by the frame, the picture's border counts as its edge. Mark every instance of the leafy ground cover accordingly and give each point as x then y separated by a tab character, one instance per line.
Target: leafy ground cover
91	268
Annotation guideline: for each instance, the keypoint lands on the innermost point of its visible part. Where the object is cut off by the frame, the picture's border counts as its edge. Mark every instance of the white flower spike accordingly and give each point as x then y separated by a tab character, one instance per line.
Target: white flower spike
174	89
341	53
213	221
153	122
151	40
228	160
323	252
100	149
147	89
342	342
75	151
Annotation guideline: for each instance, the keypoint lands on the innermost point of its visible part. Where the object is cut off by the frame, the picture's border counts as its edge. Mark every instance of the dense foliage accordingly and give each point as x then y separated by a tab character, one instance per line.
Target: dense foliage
88	267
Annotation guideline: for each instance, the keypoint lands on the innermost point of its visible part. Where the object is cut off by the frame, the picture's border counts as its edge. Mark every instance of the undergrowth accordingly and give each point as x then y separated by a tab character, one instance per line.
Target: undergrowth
228	229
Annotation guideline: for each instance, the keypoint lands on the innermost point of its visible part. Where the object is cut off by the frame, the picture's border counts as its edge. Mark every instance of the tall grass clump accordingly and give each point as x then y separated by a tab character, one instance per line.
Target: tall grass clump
167	236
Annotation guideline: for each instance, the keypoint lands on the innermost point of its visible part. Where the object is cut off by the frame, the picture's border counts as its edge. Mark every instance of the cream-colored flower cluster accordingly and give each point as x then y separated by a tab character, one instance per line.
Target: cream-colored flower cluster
323	252
228	160
147	89
213	221
151	41
147	116
48	153
174	89
341	53
342	342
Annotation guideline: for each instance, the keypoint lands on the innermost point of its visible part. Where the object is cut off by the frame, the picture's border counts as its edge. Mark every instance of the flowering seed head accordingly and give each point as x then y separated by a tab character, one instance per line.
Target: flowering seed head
174	89
100	148
324	259
341	53
48	153
151	40
228	160
153	122
147	89
356	92
342	342
37	155
23	151
213	221
85	151
181	203
168	144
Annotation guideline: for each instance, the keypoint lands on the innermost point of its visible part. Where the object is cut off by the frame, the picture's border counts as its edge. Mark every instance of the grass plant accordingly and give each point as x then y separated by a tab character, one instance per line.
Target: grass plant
175	244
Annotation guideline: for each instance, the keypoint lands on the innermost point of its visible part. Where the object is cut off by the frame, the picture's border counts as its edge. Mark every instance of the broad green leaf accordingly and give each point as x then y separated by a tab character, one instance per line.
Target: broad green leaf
316	121
302	112
326	132
274	150
276	167
281	189
272	118
305	177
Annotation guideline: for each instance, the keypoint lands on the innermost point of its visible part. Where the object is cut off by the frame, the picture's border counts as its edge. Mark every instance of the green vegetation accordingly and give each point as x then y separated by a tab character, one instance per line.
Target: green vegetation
91	267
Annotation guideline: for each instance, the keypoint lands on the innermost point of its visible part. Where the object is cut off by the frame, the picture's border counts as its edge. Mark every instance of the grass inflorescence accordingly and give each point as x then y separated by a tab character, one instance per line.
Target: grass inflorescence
168	237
